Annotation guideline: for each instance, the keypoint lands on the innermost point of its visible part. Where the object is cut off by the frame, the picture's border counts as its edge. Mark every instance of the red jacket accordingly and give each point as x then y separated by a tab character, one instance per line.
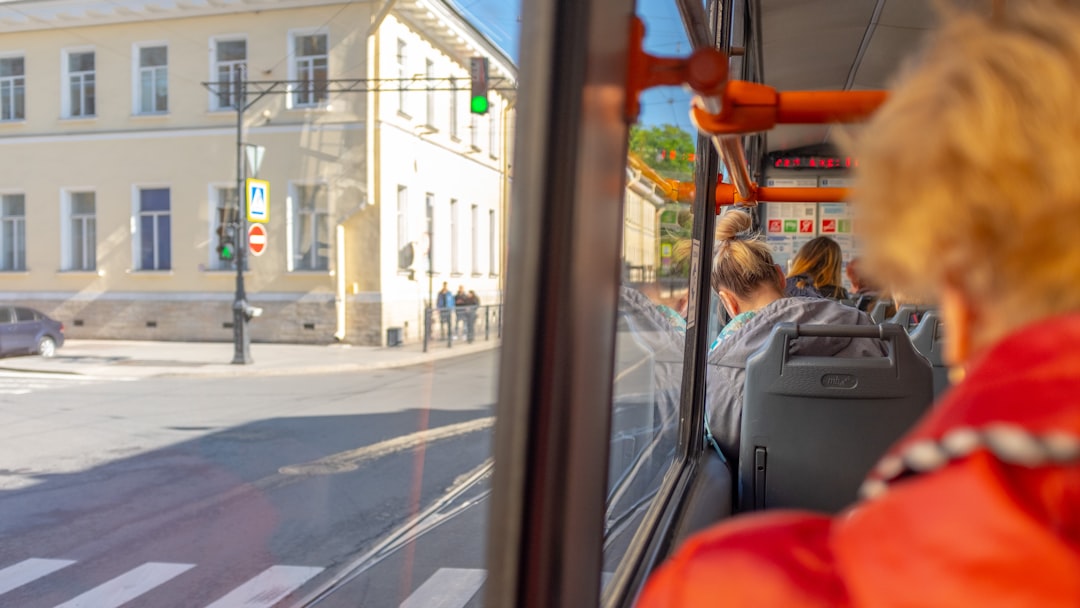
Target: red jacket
971	530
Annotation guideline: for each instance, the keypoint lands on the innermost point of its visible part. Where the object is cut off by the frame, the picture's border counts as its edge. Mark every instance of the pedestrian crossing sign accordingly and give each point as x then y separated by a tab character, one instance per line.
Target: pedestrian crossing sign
257	194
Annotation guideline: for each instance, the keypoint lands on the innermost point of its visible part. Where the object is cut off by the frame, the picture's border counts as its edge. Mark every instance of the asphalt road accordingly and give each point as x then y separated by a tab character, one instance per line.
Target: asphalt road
253	492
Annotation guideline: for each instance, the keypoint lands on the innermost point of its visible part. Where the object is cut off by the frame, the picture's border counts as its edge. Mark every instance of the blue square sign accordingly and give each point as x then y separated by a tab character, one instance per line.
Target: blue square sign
257	194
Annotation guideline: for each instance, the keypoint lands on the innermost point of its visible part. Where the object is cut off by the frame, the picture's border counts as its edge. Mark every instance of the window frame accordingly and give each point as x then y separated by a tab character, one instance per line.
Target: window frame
402	224
137	70
493	244
474	236
455	238
65	83
429	218
429	94
215	98
137	232
67	241
294	70
19	253
293	211
401	61
455	119
14	85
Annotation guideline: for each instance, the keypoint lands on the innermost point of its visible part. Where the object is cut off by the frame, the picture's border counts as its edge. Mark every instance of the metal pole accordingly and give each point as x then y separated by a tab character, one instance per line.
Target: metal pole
241	338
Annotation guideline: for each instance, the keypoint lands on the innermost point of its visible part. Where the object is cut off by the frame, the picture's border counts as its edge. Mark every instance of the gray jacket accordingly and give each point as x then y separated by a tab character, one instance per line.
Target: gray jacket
727	364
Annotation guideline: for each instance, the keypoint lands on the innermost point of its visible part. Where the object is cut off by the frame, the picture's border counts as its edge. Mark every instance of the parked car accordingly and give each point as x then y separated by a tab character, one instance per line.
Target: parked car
25	330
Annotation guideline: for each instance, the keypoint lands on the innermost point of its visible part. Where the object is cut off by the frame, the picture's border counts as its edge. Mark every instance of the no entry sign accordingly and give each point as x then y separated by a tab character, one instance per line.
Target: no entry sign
256	239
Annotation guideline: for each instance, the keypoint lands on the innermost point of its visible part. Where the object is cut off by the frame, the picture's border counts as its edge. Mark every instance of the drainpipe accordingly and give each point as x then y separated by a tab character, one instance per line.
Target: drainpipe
339	274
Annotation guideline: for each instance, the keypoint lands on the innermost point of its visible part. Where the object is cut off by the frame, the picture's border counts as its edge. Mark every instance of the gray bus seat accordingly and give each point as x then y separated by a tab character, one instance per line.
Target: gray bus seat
927	339
883	309
904	316
812	427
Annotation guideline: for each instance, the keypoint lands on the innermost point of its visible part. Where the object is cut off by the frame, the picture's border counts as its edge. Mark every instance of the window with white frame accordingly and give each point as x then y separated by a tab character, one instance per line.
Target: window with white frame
230	68
429	100
222	197
455	224
493	132
311	227
80	232
403	73
153	80
474	234
493	243
79	84
474	131
12	232
310	59
402	223
454	94
12	88
154	229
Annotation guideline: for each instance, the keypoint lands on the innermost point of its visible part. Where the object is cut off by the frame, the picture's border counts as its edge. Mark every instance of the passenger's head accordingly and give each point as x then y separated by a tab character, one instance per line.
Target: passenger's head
821	259
969	191
444	286
854	275
743	273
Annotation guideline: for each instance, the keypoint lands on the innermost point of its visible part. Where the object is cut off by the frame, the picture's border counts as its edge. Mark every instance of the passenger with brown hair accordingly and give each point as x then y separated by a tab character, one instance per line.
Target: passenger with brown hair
751	288
817	266
968	195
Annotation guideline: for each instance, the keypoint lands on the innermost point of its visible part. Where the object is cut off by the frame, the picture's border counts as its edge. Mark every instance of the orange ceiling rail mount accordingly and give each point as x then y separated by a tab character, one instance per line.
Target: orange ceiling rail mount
705	70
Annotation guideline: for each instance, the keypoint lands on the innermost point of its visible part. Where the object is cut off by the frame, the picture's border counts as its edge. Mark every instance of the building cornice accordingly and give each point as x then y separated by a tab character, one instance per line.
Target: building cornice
32	15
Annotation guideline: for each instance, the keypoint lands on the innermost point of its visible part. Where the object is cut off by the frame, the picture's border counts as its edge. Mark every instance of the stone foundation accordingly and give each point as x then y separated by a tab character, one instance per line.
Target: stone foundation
296	322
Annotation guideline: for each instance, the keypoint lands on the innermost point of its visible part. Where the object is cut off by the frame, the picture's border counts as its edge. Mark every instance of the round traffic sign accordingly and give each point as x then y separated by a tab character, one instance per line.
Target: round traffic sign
256	239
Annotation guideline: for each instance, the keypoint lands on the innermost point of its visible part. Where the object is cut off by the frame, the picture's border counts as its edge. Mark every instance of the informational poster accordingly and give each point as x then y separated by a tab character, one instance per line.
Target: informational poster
835	222
787	227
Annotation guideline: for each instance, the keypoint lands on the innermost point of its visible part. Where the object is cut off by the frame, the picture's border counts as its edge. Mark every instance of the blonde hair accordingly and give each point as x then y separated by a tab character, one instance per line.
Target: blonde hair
821	259
743	262
969	173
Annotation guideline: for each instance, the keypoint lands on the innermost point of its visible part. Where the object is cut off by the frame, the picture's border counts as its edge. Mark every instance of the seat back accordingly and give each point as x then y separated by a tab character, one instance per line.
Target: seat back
927	339
883	309
812	427
909	315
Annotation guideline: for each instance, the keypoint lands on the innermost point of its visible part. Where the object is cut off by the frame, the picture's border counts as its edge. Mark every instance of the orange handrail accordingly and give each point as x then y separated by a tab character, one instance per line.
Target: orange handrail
726	194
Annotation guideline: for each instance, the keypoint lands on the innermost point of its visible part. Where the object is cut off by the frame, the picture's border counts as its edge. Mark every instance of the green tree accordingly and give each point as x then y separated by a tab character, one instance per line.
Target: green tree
655	144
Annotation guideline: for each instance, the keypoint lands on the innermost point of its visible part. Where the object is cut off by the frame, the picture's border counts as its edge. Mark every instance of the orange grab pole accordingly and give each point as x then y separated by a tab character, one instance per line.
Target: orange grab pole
726	194
748	107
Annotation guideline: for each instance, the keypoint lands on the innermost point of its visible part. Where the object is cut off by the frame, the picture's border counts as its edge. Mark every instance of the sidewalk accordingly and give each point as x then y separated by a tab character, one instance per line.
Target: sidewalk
130	359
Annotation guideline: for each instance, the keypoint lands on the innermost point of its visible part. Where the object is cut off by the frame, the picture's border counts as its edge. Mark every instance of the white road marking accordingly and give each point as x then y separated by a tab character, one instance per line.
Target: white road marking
447	588
128	586
30	570
268	588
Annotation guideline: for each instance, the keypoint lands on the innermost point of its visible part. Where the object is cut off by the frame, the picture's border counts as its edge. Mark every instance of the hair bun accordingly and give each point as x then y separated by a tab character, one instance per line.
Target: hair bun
732	223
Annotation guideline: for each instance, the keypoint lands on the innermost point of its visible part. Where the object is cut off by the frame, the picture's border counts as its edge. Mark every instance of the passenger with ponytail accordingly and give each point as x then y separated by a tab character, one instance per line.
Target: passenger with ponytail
751	288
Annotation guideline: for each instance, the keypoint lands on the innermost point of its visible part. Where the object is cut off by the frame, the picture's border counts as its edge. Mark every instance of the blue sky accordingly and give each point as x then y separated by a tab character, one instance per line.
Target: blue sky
664	35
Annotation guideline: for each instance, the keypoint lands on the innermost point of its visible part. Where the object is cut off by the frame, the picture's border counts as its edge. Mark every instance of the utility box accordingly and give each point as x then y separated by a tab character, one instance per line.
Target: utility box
393	336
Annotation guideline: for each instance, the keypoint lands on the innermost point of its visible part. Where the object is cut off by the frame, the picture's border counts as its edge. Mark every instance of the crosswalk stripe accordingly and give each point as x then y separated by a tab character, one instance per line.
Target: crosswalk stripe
28	571
127	586
267	588
447	588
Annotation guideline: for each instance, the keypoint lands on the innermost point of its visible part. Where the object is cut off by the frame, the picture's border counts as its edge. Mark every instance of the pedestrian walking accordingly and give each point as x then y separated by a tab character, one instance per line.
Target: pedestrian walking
445	303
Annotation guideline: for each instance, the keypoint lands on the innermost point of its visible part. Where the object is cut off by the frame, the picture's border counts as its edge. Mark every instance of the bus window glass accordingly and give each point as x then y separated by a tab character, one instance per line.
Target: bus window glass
175	440
651	333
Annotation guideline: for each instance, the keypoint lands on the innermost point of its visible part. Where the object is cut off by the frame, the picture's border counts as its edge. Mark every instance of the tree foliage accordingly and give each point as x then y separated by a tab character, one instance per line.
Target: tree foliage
654	144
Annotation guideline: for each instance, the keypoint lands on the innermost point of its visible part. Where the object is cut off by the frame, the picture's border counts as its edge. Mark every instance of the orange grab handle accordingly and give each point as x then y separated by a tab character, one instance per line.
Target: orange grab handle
748	107
727	195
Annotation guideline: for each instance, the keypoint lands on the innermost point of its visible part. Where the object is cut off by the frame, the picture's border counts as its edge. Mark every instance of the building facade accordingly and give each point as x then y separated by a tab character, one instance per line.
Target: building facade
118	125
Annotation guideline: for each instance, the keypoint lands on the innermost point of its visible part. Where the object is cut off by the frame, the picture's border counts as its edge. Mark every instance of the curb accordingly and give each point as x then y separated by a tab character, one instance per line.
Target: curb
303	370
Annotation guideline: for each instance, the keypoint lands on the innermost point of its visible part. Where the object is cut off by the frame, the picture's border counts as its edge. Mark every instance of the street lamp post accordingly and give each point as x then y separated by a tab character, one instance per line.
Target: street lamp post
241	337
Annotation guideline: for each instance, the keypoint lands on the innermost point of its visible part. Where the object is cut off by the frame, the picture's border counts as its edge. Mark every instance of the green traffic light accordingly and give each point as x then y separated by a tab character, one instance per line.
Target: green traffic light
479	104
225	252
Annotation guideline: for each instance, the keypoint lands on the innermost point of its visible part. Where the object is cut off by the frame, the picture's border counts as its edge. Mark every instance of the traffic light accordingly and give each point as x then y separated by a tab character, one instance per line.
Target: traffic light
226	231
478	103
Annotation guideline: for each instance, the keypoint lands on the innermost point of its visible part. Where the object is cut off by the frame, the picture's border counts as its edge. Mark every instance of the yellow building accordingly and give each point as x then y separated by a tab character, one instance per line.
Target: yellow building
117	158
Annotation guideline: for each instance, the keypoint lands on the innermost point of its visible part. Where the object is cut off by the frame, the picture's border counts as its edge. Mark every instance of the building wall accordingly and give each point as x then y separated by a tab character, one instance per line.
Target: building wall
191	150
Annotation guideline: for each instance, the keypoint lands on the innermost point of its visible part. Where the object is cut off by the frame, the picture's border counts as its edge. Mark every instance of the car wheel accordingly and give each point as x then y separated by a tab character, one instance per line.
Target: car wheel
46	347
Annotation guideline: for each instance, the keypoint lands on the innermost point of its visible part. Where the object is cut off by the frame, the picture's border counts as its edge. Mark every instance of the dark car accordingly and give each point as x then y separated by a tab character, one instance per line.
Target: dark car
25	330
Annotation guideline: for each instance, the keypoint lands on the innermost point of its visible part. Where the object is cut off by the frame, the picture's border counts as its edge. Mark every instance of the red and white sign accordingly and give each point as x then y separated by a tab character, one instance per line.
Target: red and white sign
256	239
806	225
776	226
828	225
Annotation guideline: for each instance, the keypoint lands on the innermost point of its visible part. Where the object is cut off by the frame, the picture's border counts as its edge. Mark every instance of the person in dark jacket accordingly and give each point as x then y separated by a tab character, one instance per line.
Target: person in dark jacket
817	266
751	288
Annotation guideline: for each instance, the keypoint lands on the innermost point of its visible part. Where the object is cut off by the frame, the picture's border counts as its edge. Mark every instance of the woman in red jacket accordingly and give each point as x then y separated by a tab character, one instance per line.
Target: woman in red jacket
969	193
